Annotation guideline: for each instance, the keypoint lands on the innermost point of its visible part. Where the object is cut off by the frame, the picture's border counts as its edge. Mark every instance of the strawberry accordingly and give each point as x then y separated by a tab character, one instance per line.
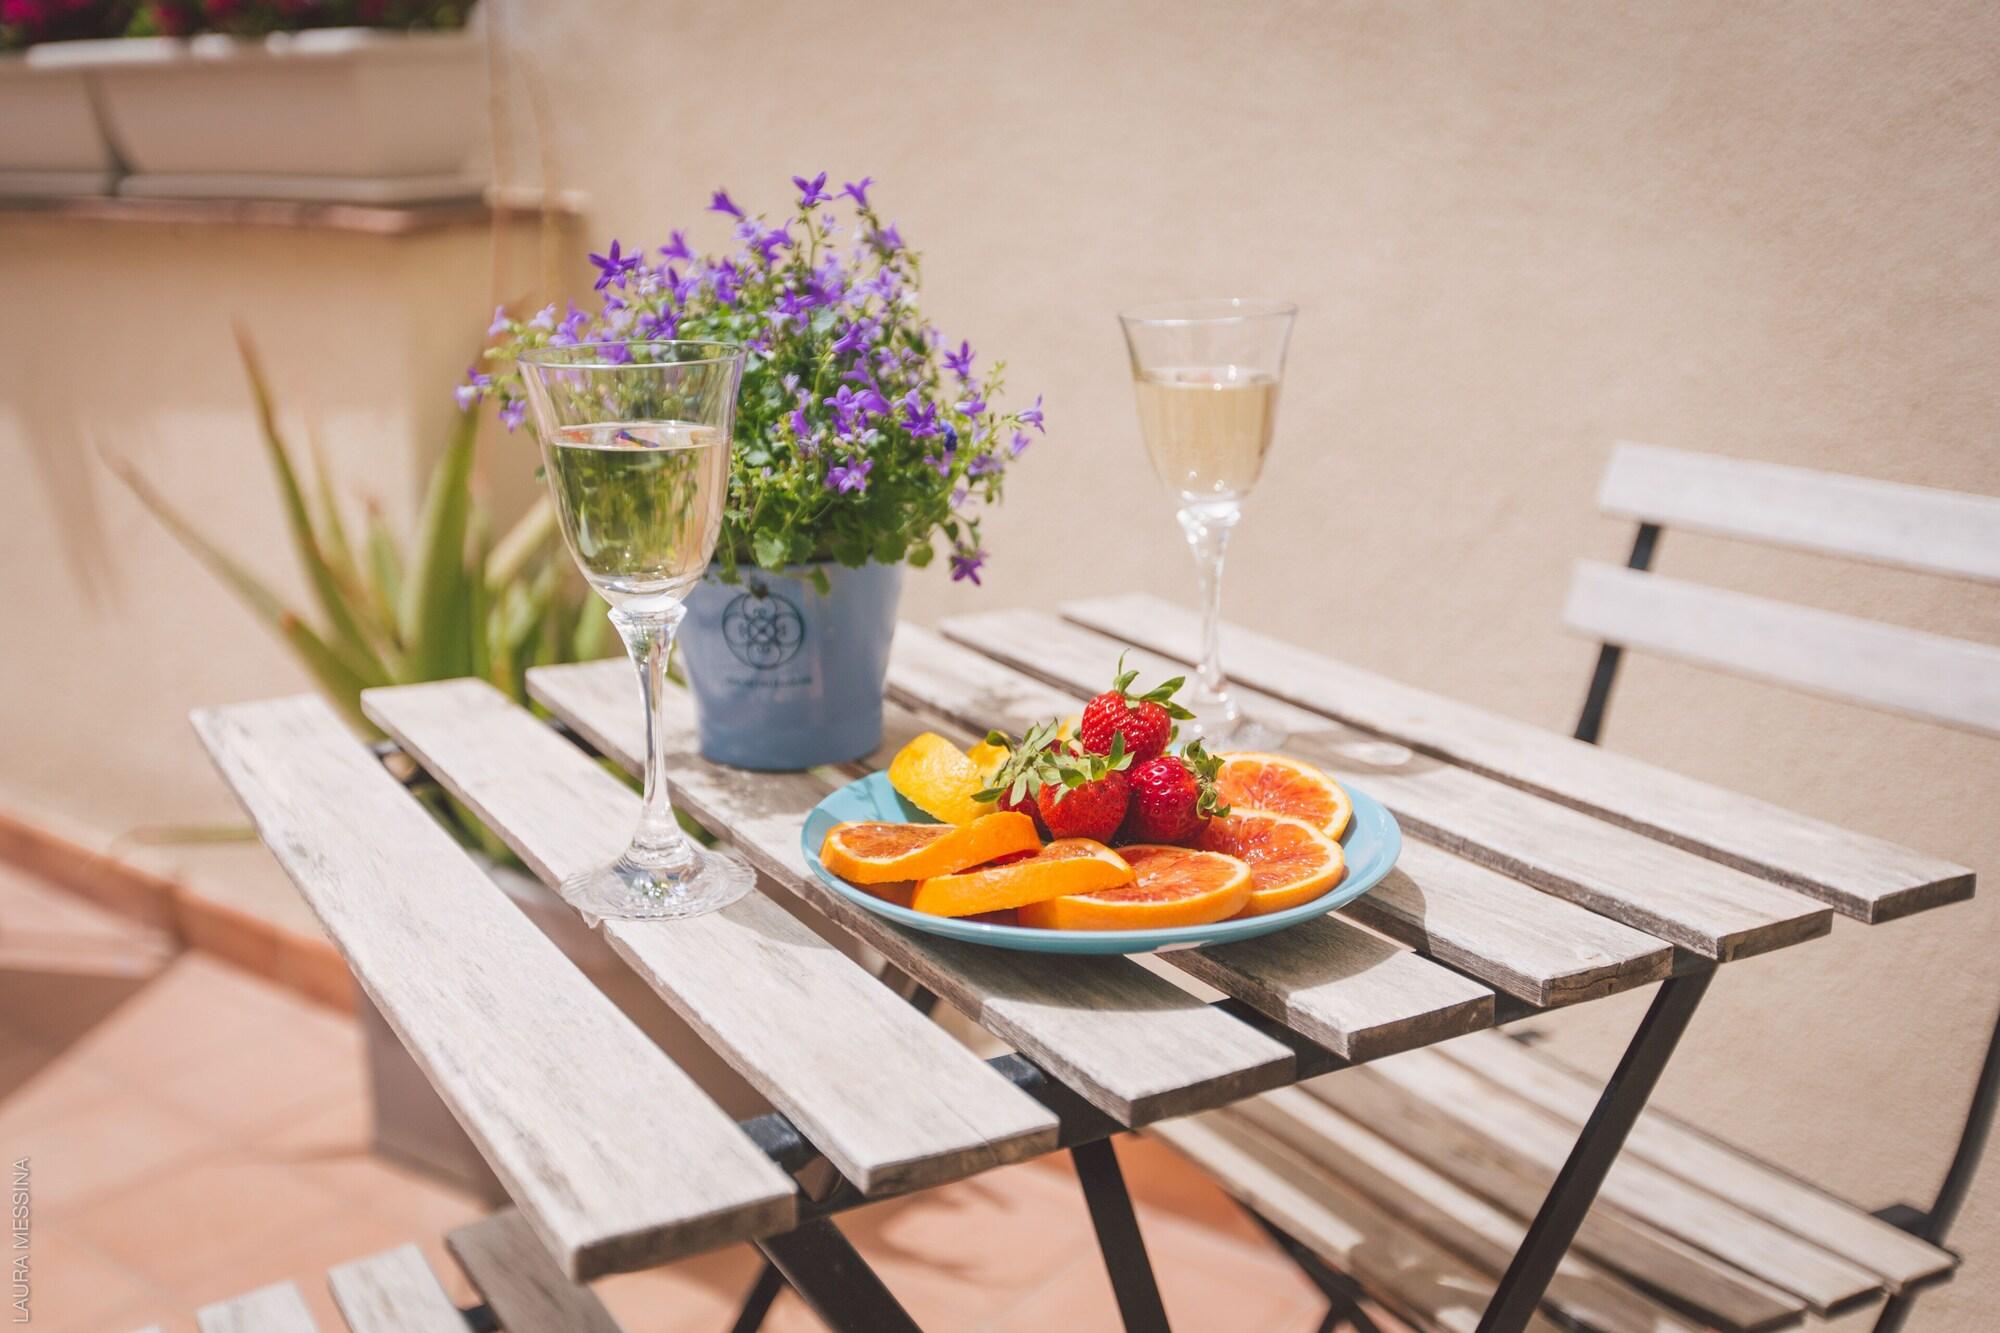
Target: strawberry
1173	797
1146	721
1091	798
1030	765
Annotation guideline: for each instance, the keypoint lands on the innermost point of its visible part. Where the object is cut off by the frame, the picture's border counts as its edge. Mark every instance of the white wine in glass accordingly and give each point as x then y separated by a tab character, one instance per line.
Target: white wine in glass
1207	375
635	442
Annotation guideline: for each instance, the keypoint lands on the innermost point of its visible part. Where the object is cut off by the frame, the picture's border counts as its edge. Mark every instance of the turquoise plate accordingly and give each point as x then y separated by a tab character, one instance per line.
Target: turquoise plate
1370	845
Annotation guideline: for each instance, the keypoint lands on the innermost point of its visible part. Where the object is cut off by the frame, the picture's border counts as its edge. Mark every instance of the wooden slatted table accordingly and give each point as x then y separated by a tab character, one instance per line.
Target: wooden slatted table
1538	872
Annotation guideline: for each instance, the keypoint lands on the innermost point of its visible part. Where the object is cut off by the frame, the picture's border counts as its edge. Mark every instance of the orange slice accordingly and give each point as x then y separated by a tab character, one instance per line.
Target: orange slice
881	853
939	779
1067	865
1277	785
1173	886
1291	862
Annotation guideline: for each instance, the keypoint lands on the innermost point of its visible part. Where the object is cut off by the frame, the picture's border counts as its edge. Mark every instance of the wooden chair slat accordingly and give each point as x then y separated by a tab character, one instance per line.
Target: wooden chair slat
1517	1183
1891	1253
1927	676
1416	1278
278	1308
1862	876
1711	909
1523	1145
615	1155
1129	1042
893	1101
1915	527
393	1292
518	1277
1453	1216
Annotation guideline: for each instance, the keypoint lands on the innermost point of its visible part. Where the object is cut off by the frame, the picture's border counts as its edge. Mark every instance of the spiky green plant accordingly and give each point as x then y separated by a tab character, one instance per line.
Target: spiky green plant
451	602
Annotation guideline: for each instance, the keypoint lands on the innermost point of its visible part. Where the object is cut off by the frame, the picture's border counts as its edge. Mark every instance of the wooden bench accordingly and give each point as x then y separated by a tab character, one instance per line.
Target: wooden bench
396	1291
1457	1144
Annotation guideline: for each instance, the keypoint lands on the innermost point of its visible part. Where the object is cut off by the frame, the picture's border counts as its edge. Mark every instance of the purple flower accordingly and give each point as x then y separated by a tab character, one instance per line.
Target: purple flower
760	345
811	192
727	282
545	318
983	465
513	411
959	363
858	190
887	239
790	309
972	407
884	284
920	416
965	563
681	288
769	243
613	267
571	329
942	462
499	324
1019	446
852	337
847	478
959	495
722	203
677	248
1033	416
800	426
617	353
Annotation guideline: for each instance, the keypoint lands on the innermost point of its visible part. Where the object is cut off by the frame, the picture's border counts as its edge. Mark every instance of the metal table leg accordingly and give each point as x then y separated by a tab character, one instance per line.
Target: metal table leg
1118	1237
757	1303
835	1281
1576	1187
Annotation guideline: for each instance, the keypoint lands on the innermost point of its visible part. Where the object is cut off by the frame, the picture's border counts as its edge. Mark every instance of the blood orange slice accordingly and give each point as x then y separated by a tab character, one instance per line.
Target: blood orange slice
1067	865
1291	862
1277	785
871	853
1173	886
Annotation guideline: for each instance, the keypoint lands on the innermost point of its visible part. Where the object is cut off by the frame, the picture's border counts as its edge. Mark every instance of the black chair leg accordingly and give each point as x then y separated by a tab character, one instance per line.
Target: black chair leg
757	1302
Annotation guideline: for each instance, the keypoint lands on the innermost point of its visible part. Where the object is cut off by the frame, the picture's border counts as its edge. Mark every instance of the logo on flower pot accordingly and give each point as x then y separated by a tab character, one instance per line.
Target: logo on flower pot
762	629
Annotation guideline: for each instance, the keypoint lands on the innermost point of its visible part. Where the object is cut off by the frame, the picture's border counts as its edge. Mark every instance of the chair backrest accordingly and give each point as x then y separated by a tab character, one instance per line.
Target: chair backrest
1940	679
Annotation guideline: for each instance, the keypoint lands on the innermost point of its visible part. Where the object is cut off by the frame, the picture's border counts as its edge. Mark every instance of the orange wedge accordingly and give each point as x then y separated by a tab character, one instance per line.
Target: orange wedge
939	778
1280	786
1291	862
1173	886
868	853
1065	866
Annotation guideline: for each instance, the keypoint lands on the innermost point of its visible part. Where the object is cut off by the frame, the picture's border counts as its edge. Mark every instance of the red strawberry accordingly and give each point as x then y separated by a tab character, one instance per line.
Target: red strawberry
1146	721
1173	797
1030	766
1091	798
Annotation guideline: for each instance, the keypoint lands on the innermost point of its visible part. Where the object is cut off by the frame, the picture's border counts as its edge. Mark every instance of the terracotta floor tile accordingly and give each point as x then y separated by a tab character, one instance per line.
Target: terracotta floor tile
1024	1219
71	1284
194	1007
698	1295
141	1314
105	1145
265	1079
203	1216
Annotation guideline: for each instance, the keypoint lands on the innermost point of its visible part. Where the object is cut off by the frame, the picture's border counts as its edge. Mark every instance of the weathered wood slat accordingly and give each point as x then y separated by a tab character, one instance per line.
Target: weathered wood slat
1453	1216
393	1292
613	1153
1515	1131
1863	876
1711	909
1927	676
1891	1253
888	1096
1517	1182
1914	527
278	1308
1537	948
1416	1278
1130	1043
513	1271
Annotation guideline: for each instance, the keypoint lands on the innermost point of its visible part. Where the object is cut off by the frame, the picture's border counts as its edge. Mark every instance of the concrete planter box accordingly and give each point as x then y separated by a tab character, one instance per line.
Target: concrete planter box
355	115
50	142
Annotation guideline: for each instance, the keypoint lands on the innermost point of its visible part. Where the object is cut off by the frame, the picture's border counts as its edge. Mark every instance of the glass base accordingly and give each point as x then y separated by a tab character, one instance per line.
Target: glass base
1220	726
632	890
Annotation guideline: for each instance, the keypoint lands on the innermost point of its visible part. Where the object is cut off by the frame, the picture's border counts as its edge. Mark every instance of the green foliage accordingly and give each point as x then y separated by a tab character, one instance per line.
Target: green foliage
450	603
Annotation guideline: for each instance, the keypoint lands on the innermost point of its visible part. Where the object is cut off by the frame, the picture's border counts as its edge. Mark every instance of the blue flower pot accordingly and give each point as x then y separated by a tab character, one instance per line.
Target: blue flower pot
786	677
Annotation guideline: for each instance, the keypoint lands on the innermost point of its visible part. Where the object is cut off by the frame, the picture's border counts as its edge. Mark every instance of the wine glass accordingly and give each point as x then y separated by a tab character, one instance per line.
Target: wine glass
1207	375
635	442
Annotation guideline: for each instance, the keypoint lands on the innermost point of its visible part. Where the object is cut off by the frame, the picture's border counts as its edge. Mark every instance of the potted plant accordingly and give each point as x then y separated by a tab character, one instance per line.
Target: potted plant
864	439
364	101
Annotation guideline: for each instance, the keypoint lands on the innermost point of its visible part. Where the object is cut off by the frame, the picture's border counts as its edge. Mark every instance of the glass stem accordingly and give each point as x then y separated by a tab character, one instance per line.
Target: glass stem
649	638
1207	529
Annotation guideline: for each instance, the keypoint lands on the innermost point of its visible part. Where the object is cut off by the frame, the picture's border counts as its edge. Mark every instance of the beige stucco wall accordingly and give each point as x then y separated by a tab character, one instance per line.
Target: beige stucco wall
1517	231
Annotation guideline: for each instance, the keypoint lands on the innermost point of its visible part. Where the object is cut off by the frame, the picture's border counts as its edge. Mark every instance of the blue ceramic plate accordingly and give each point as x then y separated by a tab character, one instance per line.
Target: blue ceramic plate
1371	844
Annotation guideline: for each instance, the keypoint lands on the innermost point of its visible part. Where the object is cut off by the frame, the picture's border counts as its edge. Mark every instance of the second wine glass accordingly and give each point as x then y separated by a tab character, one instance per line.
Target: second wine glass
1207	374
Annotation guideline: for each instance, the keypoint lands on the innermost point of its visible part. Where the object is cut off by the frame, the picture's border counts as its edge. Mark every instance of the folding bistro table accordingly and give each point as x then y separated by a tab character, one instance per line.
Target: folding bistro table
1538	872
